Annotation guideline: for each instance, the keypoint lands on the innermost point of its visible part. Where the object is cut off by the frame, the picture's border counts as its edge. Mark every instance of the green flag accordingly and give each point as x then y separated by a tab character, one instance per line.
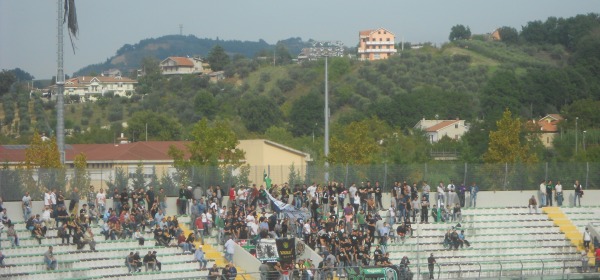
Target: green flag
267	180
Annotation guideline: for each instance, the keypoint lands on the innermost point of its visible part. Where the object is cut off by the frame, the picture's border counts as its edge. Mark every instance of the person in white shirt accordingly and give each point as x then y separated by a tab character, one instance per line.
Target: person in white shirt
101	201
451	199
47	218
558	189
440	195
543	193
352	190
47	198
241	195
229	249
311	191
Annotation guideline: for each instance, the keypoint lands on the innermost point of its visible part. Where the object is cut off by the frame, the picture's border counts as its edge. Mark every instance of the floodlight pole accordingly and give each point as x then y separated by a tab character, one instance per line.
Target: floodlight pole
60	86
326	122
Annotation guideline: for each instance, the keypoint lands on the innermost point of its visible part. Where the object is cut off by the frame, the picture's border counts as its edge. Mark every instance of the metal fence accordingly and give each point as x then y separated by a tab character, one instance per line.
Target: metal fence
14	182
518	269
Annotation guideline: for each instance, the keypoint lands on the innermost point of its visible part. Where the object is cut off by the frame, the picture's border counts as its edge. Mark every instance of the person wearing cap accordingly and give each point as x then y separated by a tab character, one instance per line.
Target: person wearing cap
430	265
199	257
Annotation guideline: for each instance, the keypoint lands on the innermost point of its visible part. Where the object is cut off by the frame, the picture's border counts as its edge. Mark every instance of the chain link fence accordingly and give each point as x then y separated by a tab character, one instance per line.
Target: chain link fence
498	177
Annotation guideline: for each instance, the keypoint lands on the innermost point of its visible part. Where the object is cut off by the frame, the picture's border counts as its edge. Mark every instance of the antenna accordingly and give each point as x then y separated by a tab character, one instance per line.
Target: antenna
181	29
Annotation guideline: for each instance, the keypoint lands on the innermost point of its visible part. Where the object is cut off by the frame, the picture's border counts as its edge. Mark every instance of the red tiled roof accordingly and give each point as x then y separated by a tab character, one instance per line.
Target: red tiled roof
440	125
182	61
365	32
138	151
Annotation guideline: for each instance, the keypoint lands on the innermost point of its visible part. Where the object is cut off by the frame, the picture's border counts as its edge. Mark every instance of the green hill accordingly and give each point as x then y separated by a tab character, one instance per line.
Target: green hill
474	79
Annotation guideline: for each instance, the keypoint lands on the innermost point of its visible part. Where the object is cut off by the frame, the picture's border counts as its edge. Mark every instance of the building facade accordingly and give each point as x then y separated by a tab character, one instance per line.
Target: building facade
87	87
376	44
436	129
153	158
176	65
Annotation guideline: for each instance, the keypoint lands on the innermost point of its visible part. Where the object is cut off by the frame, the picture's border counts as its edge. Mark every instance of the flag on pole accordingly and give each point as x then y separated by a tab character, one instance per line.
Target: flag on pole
267	180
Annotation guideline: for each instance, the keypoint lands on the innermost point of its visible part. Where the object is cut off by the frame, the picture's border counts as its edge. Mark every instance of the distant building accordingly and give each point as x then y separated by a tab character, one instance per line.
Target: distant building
436	129
175	65
103	159
111	73
320	50
496	35
546	128
86	87
376	44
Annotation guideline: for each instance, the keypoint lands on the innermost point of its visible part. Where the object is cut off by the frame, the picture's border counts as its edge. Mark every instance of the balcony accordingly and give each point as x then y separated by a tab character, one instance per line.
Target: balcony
378	51
373	43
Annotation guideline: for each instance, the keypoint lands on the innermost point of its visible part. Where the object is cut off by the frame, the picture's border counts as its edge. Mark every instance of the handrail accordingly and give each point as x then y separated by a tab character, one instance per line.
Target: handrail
439	270
479	276
459	271
543	266
521	268
500	262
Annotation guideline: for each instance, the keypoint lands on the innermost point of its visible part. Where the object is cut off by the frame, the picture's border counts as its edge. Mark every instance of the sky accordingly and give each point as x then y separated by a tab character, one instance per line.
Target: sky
28	27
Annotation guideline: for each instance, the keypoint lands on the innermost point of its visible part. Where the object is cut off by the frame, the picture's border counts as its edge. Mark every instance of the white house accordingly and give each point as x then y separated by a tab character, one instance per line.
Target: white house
87	86
436	129
176	65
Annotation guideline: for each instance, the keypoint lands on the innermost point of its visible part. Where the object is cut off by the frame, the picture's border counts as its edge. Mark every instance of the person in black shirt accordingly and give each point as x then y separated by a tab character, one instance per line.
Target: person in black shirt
430	265
377	255
385	259
378	195
213	272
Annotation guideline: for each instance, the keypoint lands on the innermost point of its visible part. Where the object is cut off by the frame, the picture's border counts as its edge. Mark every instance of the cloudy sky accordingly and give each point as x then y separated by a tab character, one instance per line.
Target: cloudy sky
28	27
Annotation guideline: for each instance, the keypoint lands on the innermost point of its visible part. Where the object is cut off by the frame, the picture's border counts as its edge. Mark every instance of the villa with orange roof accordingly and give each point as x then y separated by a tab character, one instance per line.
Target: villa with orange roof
376	44
176	65
436	129
86	87
546	128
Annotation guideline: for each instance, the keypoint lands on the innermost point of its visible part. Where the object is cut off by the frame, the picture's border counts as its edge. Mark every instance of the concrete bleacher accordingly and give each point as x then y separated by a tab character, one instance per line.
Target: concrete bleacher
510	240
26	261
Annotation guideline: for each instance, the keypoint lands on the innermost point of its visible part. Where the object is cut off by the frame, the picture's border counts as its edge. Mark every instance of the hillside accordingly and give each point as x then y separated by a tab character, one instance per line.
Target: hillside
474	79
129	57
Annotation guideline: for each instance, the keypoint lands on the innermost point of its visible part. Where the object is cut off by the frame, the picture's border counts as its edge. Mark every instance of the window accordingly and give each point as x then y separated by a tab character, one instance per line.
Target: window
455	125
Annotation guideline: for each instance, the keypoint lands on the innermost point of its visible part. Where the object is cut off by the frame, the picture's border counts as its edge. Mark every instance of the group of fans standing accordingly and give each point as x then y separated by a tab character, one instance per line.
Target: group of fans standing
344	222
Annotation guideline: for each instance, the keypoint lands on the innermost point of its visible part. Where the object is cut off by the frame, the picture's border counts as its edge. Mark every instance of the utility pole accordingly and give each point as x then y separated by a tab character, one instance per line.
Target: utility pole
180	29
576	132
60	86
326	121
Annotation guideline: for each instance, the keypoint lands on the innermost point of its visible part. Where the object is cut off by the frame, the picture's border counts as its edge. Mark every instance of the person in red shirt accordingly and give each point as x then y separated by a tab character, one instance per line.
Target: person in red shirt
597	259
184	245
199	229
232	195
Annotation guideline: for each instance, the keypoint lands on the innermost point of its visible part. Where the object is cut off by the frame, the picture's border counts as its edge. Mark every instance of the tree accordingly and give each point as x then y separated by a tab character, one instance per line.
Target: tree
358	142
7	78
42	156
217	58
508	34
158	126
282	54
211	144
505	142
138	181
259	112
120	182
81	179
459	32
306	111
